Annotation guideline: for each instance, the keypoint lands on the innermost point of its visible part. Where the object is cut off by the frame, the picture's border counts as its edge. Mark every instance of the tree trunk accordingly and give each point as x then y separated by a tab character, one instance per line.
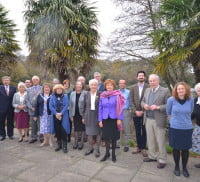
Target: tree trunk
196	68
62	75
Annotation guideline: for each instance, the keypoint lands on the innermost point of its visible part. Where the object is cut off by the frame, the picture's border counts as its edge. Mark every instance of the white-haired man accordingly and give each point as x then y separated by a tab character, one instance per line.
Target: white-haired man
155	117
32	94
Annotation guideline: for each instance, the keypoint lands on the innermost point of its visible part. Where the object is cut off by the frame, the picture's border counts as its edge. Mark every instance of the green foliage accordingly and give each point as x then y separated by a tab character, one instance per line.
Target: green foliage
131	143
62	34
169	149
178	39
8	44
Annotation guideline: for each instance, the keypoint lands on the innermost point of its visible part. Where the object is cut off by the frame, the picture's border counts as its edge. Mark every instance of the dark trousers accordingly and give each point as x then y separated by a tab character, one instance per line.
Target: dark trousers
59	130
9	117
140	132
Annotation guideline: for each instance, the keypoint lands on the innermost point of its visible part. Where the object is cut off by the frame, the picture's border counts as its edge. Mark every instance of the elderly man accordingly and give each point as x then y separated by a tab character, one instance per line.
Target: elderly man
32	94
126	113
6	110
98	77
55	81
154	104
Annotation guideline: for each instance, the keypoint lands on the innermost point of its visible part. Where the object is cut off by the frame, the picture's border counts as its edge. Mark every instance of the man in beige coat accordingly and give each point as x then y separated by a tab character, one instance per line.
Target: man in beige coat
154	105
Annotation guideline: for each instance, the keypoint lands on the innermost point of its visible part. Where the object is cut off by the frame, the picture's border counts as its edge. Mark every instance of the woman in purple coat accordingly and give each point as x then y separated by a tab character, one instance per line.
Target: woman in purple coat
110	116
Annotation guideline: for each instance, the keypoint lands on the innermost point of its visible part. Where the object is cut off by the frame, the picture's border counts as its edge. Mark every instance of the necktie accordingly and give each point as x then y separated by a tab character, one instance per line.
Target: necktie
7	91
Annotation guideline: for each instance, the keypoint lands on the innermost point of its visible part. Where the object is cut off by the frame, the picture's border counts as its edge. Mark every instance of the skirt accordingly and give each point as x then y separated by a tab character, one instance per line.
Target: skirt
92	125
78	124
22	120
110	130
180	139
196	139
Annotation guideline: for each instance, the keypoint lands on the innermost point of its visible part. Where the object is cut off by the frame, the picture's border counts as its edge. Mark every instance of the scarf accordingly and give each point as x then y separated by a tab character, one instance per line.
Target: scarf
120	99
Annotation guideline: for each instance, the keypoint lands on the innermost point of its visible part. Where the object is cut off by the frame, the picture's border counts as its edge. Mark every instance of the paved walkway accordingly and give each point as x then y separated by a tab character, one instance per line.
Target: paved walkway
24	162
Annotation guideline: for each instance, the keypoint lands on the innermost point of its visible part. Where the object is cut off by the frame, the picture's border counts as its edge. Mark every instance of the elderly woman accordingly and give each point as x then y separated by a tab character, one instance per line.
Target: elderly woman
179	108
66	84
110	116
21	111
76	108
42	110
58	105
196	118
90	117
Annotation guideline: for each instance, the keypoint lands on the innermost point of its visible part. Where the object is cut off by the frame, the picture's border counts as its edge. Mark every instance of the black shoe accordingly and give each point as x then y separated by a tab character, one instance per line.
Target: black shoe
2	138
177	172
186	173
75	146
89	152
97	154
106	156
65	147
59	146
11	137
20	140
80	147
126	149
33	141
114	158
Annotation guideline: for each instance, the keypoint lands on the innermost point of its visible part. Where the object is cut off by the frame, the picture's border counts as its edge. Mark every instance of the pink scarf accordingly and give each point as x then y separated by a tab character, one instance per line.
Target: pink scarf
120	99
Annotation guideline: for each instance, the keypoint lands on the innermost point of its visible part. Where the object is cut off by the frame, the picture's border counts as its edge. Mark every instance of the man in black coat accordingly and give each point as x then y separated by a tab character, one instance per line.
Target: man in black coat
6	110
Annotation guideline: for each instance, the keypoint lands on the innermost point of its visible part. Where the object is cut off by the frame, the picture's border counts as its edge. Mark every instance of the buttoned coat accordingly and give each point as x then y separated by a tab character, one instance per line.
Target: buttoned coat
6	100
161	96
16	102
32	98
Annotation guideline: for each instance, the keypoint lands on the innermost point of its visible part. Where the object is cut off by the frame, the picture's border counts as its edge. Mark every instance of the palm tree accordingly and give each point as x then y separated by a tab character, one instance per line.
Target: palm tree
178	40
8	44
62	34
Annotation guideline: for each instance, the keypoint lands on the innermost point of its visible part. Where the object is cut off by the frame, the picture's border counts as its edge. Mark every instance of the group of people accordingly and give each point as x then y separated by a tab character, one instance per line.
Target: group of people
101	111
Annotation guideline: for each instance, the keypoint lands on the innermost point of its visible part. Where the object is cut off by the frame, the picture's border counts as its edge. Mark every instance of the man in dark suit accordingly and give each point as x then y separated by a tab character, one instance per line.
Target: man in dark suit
136	95
6	109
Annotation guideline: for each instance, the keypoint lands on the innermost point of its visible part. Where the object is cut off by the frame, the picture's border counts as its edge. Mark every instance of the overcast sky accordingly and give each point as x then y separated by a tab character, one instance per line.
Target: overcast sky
107	11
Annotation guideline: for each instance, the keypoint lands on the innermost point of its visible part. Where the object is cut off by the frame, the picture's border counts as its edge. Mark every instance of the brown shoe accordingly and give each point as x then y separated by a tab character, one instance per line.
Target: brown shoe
161	165
137	151
149	160
144	153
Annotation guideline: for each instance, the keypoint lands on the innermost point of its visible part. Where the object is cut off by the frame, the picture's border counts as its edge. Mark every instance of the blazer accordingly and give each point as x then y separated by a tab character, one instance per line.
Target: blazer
135	99
6	100
39	108
16	102
32	98
87	106
107	108
162	94
65	116
72	103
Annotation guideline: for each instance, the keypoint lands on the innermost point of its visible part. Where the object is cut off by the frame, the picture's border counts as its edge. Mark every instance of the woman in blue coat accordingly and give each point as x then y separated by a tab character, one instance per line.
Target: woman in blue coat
58	105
